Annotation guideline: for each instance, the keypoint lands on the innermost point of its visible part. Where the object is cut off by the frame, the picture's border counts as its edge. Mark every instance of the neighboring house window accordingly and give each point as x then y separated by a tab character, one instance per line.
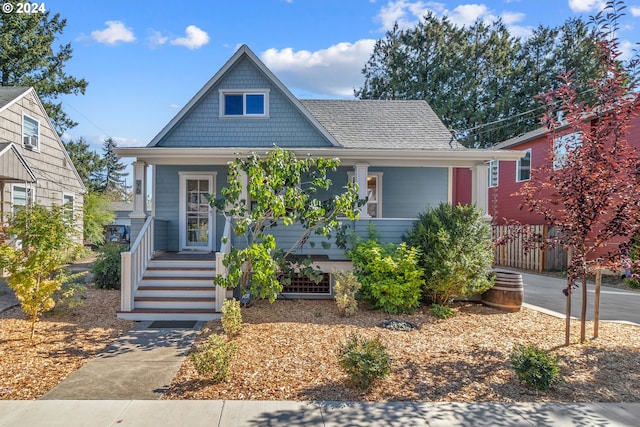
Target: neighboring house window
67	206
254	103
374	193
30	132
562	146
21	195
523	170
493	173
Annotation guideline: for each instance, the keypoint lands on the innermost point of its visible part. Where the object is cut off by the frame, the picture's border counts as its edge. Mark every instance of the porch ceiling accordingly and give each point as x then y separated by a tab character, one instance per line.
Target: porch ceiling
413	158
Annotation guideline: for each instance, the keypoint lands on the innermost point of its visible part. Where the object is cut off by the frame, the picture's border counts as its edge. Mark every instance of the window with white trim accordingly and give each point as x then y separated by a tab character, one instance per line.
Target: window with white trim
244	103
374	193
21	195
562	146
67	206
30	132
523	168
493	173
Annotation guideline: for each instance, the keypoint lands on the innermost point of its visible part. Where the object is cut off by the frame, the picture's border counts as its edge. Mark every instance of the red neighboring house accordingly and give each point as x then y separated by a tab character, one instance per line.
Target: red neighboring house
506	178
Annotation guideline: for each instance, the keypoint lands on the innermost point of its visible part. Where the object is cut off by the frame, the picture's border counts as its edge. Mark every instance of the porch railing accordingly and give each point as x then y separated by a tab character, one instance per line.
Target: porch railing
134	264
221	270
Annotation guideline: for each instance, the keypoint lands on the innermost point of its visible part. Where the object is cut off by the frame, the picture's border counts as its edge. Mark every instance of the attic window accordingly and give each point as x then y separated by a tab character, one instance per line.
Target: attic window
244	103
30	132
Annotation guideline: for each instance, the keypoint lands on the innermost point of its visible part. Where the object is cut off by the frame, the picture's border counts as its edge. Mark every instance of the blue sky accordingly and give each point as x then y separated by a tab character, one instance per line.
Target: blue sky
144	59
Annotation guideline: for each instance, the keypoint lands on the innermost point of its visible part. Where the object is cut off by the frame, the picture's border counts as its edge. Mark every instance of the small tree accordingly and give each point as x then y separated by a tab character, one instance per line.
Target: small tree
96	214
36	264
283	192
591	192
455	243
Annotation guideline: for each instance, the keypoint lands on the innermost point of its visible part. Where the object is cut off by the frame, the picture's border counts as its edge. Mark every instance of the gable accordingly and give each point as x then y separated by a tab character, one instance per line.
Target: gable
202	125
49	161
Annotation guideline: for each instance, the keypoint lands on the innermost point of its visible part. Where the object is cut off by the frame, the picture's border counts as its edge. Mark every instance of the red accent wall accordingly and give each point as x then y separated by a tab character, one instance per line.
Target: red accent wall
461	186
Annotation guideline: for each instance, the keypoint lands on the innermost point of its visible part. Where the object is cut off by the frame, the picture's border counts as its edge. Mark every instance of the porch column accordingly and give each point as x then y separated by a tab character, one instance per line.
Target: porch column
362	172
480	187
139	190
244	193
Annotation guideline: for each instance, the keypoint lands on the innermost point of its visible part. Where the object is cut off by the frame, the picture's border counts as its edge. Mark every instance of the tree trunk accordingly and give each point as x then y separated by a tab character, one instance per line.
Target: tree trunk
567	329
583	313
596	306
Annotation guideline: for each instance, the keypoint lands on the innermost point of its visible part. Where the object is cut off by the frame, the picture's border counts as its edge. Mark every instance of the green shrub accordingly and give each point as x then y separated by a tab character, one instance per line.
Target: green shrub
535	366
213	357
107	266
441	311
364	360
632	283
456	251
346	287
390	276
231	317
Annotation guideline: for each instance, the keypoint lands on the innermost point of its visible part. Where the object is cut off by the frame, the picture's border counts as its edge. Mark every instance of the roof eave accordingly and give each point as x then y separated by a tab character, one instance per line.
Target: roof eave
374	157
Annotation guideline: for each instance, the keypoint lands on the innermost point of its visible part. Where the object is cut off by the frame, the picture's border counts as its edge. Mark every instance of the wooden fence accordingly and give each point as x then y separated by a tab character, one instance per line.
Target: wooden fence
519	246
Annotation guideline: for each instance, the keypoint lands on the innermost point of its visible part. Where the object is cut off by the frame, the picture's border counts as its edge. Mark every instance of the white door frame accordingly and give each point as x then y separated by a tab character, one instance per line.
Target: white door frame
182	215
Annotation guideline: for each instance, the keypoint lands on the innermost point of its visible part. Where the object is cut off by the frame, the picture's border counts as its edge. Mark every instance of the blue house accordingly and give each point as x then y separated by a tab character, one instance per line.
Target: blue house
399	152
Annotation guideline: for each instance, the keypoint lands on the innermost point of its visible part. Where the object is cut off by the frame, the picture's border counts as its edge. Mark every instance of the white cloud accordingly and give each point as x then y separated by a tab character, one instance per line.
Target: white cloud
307	71
195	38
467	14
157	39
114	33
635	10
405	13
586	5
627	49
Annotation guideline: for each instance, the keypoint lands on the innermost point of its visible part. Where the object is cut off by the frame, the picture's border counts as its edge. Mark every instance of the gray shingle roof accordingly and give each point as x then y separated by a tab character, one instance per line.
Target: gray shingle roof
9	93
380	124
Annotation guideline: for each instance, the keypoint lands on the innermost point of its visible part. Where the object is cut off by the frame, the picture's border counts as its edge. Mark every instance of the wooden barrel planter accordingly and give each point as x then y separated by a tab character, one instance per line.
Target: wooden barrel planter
507	293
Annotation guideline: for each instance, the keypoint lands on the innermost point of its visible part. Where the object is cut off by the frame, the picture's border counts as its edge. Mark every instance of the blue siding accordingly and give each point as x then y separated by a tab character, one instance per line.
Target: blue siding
167	192
405	193
285	127
408	191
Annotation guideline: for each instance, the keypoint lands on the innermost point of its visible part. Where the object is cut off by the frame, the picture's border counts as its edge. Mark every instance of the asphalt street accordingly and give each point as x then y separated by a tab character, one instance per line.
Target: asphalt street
615	304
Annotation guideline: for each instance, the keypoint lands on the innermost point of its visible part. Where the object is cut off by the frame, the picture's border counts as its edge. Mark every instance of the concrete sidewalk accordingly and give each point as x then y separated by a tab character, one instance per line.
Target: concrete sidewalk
193	413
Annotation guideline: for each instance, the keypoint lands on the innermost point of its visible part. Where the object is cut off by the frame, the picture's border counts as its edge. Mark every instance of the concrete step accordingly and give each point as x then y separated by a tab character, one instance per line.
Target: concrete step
177	281
180	272
144	314
174	303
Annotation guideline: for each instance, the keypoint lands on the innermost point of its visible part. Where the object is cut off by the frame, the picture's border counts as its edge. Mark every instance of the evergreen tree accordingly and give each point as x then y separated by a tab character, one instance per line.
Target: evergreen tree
28	58
479	79
112	178
88	163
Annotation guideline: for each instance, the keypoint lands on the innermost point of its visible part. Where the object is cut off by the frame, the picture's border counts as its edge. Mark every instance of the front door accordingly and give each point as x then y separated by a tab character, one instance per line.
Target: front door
197	230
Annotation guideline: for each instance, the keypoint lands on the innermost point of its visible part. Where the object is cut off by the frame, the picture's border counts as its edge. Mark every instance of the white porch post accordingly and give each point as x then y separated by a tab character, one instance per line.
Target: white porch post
244	193
361	174
139	190
480	187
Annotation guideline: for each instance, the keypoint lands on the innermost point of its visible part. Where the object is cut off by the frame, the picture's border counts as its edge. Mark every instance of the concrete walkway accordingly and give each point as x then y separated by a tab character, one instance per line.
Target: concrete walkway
139	365
193	413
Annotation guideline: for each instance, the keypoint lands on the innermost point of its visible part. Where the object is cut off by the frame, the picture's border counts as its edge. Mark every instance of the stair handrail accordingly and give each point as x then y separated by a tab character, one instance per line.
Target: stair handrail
134	264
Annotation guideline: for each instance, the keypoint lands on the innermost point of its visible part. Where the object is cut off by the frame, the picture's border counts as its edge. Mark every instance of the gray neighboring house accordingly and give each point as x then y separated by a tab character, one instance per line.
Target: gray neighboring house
399	152
34	165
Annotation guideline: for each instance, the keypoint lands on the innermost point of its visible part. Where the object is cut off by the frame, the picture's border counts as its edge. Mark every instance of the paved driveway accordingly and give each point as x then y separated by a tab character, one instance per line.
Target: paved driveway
615	304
